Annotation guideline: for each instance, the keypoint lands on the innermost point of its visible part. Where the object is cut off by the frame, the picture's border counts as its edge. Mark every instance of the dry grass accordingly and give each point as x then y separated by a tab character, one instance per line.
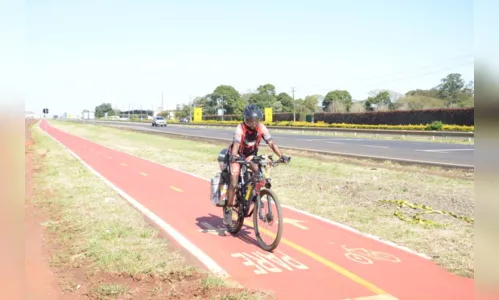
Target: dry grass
102	247
342	192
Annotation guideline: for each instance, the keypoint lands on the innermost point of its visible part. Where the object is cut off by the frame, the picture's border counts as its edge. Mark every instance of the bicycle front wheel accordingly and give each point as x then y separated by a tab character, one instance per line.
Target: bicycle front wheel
271	214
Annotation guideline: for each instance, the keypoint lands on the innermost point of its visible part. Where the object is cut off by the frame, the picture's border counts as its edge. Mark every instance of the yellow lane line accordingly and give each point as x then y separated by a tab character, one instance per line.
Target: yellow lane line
326	262
176	189
143	174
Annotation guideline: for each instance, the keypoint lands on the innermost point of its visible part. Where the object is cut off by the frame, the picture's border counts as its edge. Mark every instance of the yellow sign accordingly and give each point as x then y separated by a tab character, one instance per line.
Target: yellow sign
69	116
268	114
198	114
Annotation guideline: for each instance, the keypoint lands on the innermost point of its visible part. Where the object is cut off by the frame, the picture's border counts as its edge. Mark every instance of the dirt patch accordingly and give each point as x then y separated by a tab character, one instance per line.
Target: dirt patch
173	286
41	283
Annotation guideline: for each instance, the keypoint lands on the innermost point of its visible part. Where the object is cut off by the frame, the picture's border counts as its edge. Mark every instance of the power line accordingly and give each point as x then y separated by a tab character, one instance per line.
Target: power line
461	58
393	76
425	73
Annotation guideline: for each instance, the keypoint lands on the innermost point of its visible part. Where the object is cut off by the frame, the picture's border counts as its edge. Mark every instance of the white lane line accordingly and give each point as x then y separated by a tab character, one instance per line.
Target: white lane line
445	150
335	143
372	146
325	140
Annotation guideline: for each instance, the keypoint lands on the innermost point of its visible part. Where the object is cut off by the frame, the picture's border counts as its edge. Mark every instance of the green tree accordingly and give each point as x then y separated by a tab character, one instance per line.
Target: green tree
267	89
228	97
450	87
341	97
299	106
311	104
377	99
265	96
101	110
165	114
246	97
182	111
286	102
466	97
433	93
469	88
368	105
206	104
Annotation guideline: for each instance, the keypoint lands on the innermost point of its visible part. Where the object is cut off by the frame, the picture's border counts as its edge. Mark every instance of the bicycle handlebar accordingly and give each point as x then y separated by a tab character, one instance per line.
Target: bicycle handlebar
260	159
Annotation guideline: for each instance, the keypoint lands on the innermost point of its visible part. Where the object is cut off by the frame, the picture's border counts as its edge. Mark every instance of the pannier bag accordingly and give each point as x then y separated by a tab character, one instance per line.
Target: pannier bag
219	183
219	190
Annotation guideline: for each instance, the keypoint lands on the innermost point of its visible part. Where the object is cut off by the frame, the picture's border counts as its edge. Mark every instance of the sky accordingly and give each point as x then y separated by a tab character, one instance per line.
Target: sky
79	54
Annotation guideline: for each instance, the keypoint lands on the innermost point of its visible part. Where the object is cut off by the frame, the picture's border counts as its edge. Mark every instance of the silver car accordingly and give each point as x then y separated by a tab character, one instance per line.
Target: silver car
158	121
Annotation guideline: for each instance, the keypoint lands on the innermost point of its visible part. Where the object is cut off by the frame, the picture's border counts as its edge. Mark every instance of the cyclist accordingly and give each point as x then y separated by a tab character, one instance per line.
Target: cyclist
245	144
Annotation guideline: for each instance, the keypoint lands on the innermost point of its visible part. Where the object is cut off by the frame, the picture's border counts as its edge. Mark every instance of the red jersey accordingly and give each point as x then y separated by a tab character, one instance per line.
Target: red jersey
250	139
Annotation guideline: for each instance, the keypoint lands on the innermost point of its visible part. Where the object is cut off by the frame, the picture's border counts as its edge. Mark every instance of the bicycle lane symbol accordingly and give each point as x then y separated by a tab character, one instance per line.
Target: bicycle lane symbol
367	257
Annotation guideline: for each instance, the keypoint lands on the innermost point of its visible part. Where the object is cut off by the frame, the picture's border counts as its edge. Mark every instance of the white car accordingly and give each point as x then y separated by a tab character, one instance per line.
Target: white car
158	121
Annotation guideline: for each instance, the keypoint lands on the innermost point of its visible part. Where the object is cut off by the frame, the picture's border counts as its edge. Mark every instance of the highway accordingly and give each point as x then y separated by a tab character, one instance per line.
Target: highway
432	152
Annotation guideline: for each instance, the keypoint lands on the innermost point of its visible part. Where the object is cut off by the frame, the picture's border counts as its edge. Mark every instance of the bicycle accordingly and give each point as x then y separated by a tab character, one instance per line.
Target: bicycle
363	256
251	189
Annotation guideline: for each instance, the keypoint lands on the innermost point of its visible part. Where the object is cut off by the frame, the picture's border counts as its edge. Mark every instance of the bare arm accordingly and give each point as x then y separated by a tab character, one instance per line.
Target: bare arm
235	148
236	142
274	148
268	139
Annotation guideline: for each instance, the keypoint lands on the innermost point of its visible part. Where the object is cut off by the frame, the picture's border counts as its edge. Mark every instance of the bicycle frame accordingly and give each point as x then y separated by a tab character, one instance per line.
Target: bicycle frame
256	182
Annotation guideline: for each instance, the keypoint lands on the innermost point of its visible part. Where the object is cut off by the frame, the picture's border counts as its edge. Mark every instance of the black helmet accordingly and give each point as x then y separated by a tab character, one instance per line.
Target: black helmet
252	112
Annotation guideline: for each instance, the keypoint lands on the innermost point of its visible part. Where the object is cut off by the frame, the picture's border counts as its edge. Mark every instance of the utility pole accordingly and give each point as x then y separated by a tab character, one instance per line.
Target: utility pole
294	109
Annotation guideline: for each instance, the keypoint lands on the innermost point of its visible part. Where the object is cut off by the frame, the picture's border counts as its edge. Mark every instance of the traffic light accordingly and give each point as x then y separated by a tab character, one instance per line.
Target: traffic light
45	110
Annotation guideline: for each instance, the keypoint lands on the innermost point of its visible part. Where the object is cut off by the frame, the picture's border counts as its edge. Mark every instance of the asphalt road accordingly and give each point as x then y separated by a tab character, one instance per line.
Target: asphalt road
391	149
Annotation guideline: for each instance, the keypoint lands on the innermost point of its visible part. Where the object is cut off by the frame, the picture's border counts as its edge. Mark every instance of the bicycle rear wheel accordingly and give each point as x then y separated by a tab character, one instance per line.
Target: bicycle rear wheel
274	214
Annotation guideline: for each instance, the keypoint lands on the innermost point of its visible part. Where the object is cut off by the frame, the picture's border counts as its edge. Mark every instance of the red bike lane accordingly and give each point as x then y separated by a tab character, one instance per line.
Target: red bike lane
315	259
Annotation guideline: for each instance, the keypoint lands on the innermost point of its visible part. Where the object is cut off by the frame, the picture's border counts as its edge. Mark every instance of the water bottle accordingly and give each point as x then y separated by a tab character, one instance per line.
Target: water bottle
223	194
215	184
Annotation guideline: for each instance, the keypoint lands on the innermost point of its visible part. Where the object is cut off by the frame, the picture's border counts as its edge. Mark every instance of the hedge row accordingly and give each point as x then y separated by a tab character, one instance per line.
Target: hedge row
430	126
458	116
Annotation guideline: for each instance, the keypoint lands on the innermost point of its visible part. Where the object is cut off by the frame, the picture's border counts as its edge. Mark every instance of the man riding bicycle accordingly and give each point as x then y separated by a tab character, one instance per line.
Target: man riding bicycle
245	144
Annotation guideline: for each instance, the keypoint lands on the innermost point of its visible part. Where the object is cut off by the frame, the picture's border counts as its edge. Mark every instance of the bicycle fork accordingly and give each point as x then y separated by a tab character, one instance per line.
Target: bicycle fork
268	217
253	195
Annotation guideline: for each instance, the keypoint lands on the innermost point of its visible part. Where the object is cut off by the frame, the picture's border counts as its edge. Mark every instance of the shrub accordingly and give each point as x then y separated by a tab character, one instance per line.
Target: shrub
456	116
432	126
435	125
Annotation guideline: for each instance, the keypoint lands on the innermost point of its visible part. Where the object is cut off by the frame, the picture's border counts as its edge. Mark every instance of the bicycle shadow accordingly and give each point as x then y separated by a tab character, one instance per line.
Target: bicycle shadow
213	223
